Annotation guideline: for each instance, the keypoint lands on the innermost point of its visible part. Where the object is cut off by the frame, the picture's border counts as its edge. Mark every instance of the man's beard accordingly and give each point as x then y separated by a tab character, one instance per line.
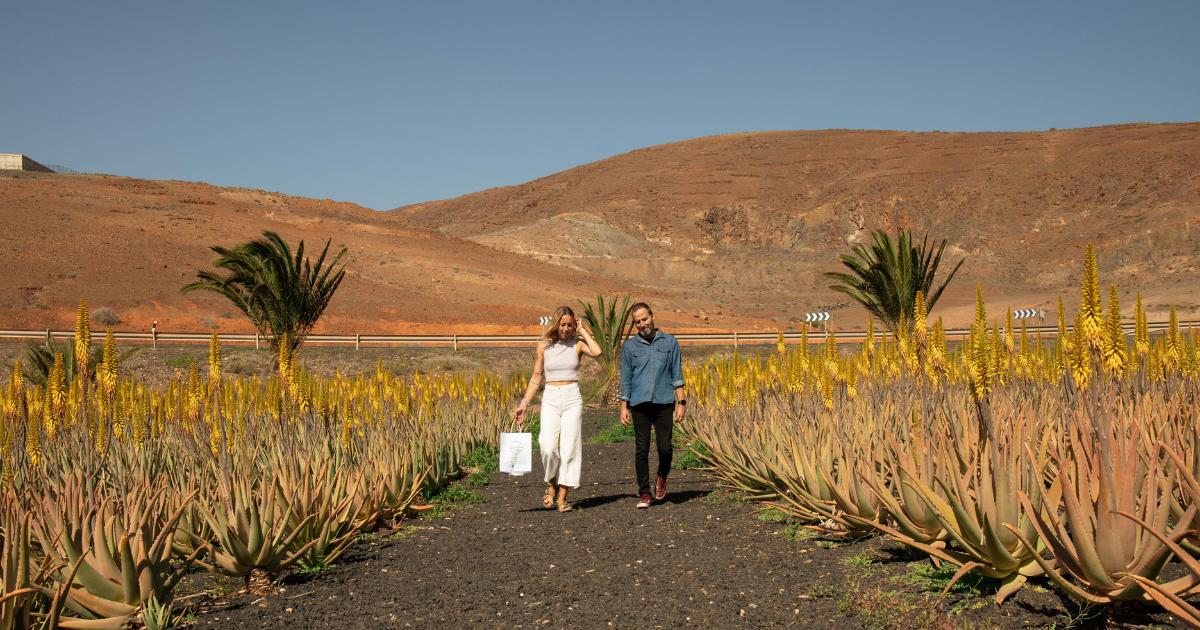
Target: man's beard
648	332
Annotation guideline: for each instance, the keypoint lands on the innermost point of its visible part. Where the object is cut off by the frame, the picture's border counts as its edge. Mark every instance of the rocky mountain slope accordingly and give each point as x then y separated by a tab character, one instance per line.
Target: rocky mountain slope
722	232
746	223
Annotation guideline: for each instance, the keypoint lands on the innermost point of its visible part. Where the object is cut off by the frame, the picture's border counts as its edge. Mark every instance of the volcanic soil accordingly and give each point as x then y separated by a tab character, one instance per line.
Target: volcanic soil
701	558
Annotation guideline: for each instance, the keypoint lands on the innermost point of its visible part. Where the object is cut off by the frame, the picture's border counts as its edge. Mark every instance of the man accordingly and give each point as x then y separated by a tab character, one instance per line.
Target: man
652	395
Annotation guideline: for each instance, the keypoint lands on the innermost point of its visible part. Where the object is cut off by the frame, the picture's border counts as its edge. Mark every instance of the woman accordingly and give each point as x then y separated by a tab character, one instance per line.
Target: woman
561	439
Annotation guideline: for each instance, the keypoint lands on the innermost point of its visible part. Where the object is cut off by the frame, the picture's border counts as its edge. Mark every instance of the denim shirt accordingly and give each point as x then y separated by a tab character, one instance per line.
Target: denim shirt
650	370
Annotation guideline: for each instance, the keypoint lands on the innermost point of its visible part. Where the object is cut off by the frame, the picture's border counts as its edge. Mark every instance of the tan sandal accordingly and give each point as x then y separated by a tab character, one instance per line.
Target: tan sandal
563	506
548	498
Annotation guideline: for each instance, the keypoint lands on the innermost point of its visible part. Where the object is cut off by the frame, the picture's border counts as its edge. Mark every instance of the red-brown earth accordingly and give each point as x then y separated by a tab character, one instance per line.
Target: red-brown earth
719	232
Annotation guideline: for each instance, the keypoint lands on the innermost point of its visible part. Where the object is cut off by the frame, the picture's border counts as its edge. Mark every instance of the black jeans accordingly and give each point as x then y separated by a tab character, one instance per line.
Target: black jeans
662	417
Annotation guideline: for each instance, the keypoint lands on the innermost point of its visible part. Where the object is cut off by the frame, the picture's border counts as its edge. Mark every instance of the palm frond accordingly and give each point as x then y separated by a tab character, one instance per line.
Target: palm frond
885	275
610	325
280	291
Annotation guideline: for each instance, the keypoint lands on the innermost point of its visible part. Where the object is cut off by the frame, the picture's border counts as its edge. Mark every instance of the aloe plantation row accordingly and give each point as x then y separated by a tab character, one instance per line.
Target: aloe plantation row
112	491
1071	462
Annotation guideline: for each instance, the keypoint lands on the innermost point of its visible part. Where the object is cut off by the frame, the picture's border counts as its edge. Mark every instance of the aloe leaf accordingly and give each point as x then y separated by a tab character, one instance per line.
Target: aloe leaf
1009	585
1170	601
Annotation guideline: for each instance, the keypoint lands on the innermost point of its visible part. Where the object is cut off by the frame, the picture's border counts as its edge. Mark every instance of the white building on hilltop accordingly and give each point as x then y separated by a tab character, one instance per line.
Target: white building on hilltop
19	162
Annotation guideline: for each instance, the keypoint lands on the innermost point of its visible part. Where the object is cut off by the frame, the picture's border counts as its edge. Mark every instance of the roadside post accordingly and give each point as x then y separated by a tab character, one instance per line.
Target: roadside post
154	335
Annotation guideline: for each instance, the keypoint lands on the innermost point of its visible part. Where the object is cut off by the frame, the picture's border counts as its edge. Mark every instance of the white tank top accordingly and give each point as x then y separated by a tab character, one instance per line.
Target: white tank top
561	361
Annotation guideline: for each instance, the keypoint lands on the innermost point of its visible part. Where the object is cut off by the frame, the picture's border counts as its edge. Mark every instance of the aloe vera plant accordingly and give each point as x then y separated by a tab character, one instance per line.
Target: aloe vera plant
808	479
978	498
252	532
902	468
858	506
1104	471
734	452
399	475
17	590
1171	594
120	548
319	495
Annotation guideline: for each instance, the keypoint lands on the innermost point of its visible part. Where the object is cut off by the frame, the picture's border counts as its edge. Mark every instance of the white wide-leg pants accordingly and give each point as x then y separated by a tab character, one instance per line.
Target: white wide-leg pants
561	438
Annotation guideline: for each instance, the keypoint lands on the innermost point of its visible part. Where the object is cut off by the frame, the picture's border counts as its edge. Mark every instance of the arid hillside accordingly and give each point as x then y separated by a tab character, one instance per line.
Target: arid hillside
719	232
747	222
130	245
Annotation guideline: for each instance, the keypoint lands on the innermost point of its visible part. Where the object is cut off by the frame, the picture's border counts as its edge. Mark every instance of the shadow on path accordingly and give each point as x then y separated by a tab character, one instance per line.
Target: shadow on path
680	496
592	502
683	496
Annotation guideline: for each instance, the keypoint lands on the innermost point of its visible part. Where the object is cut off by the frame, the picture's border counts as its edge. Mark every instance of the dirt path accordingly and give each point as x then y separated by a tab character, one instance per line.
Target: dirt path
507	562
695	560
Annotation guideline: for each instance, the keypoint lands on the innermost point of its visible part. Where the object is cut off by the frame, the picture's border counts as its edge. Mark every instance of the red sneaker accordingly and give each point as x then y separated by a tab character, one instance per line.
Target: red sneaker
660	489
644	501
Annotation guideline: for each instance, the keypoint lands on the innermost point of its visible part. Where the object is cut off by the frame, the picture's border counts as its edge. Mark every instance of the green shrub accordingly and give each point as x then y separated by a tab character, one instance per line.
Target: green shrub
452	496
180	362
616	432
105	316
481	461
247	363
448	363
688	456
534	427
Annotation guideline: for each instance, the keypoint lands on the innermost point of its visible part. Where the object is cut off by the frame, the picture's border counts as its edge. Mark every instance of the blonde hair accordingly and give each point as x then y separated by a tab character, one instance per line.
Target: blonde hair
551	332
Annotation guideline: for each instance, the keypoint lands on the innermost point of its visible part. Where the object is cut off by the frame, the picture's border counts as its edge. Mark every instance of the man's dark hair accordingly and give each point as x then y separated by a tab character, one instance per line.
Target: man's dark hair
641	305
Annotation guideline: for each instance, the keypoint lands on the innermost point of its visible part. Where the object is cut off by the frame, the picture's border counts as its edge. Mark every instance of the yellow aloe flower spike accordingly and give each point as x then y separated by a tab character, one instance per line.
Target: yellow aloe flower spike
83	342
1090	324
214	361
1171	342
1141	331
1116	352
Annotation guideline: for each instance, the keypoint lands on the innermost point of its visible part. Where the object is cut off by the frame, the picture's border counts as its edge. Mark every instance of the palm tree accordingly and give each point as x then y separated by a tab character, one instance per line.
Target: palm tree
610	325
283	294
39	360
885	277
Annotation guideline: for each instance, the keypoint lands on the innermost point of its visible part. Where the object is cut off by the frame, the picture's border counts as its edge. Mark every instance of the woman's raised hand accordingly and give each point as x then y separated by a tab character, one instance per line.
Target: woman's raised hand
591	348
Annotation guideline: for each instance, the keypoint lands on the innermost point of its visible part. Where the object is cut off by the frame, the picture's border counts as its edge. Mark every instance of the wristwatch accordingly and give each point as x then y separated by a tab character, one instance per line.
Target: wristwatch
681	401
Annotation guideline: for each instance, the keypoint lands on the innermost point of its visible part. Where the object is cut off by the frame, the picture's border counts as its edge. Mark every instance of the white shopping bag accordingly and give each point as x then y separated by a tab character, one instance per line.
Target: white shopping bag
516	453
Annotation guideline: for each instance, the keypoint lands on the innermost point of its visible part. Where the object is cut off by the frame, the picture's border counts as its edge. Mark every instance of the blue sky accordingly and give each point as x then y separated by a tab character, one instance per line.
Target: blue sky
385	104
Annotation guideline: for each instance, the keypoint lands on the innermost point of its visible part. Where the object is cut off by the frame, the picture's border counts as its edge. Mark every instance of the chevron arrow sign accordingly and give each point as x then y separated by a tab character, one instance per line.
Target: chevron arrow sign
544	320
822	316
1025	313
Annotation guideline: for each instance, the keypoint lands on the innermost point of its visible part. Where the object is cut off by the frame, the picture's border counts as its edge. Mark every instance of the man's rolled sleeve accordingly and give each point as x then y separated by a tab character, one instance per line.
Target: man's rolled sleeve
676	366
626	374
